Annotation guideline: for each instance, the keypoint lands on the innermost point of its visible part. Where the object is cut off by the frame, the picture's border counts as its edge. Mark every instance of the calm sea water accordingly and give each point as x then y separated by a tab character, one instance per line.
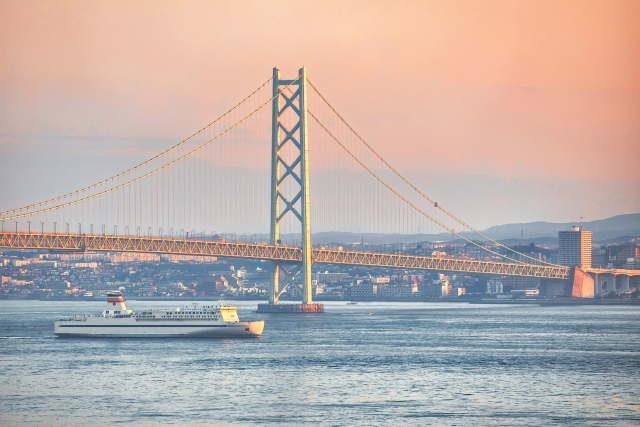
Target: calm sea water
406	364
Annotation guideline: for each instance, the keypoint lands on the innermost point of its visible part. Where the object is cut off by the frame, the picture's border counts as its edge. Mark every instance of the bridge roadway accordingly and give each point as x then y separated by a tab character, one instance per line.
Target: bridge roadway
193	246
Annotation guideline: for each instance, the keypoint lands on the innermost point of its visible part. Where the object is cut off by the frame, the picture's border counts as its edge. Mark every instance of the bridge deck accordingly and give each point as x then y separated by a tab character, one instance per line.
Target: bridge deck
85	242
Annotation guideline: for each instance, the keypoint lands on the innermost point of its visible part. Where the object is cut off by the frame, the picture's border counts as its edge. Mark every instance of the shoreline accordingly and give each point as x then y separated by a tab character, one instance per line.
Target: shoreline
479	301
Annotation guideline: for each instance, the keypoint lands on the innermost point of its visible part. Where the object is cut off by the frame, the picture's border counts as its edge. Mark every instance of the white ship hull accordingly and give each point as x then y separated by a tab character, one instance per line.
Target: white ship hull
114	328
191	321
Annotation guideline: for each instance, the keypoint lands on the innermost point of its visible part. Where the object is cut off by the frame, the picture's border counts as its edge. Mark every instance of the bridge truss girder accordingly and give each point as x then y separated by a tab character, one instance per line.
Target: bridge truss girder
278	253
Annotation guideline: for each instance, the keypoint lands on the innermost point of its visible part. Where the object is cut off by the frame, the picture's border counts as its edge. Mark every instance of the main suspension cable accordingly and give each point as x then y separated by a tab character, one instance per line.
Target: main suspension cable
402	177
141	164
383	182
152	172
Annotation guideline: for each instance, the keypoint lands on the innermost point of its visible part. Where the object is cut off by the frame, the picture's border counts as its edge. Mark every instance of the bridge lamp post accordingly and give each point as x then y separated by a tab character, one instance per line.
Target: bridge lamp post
138	230
29	226
115	230
16	225
79	228
126	230
181	232
54	227
202	233
171	232
103	230
149	228
91	228
2	226
160	231
67	224
42	225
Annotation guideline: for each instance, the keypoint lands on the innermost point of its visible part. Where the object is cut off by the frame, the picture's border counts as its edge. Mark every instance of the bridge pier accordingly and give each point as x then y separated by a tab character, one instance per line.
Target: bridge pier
624	283
609	284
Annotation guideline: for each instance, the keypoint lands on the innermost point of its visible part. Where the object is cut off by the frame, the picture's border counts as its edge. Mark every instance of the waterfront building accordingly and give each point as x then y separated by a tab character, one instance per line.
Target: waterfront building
446	289
327	277
494	287
574	248
363	290
518	282
399	291
431	290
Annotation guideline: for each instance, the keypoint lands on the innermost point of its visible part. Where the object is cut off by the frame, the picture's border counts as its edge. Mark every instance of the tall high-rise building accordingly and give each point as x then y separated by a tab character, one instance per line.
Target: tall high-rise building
574	248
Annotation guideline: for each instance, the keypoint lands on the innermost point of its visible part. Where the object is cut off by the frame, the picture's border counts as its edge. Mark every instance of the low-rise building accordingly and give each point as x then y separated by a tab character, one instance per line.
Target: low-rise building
327	277
363	290
84	265
431	290
399	291
494	287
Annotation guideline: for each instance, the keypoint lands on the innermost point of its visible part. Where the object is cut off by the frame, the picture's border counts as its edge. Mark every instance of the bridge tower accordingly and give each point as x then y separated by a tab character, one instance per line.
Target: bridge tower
291	102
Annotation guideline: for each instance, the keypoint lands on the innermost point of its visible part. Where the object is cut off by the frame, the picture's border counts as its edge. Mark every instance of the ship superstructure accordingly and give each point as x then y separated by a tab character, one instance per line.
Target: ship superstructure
189	321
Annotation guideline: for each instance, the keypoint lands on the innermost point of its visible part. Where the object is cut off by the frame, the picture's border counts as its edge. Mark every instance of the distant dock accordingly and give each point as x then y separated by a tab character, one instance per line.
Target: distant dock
290	308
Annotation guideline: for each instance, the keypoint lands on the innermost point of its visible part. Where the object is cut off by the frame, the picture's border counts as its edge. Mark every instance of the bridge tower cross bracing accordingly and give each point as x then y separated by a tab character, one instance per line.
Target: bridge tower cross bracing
298	138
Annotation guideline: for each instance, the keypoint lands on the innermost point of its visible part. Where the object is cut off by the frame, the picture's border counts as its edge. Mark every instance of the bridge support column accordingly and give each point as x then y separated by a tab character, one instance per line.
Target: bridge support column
610	283
293	198
307	293
597	290
624	282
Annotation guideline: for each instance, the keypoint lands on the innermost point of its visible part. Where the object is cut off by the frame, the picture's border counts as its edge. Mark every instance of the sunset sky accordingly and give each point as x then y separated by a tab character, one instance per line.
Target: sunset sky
509	111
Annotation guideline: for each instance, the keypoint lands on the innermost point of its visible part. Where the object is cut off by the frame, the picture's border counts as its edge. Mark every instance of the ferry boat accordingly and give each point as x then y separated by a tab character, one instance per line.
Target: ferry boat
208	321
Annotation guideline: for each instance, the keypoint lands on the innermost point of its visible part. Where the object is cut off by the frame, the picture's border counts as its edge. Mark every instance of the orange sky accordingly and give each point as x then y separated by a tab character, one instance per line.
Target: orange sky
509	89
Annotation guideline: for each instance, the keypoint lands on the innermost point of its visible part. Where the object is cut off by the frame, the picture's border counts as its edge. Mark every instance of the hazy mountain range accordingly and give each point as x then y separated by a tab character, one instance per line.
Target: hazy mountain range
603	229
618	229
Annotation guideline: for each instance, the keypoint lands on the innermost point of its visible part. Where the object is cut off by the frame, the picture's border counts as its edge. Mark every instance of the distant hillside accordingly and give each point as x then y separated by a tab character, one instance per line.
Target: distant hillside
619	228
603	229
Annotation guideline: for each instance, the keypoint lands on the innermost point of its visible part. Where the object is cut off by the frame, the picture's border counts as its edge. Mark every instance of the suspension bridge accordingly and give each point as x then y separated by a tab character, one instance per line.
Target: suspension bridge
278	160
